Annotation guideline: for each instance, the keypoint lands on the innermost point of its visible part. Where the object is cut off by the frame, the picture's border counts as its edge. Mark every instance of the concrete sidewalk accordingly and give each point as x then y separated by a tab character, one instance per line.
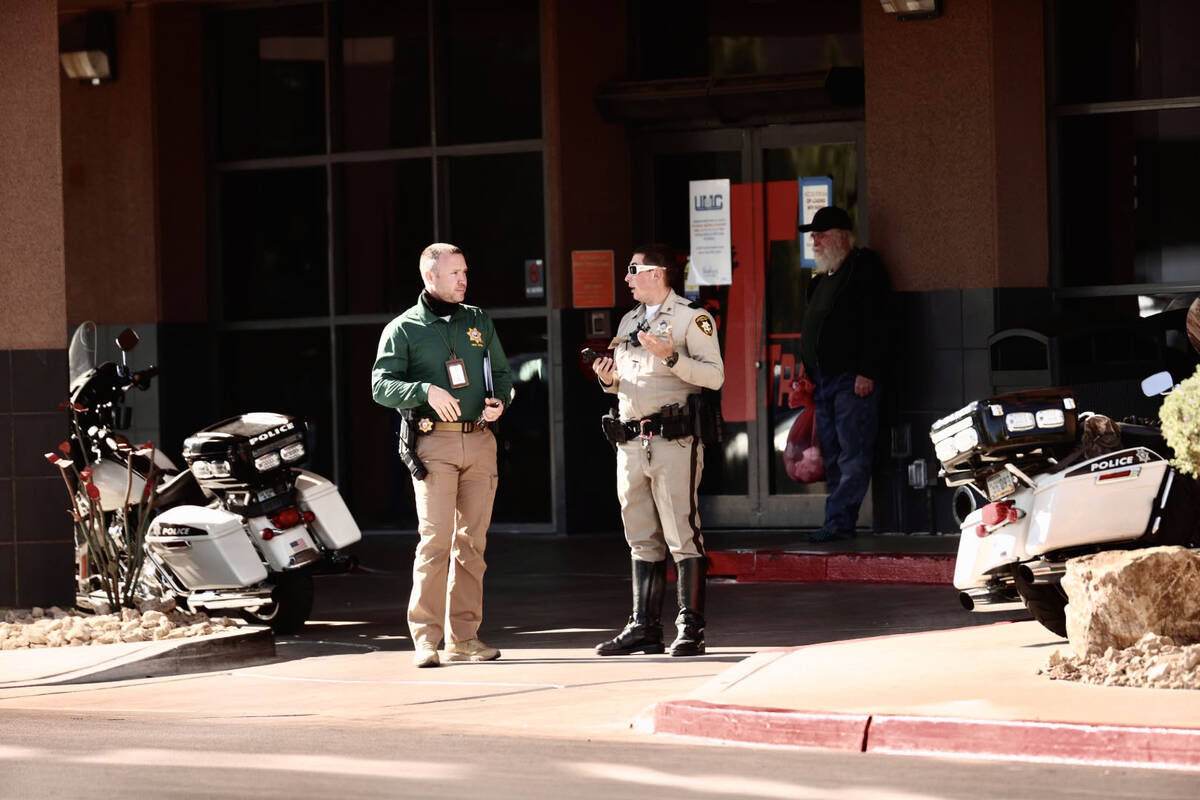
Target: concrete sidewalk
968	692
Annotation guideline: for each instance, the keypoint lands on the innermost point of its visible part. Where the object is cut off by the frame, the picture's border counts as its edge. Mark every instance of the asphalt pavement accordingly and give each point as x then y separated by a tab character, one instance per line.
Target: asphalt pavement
860	661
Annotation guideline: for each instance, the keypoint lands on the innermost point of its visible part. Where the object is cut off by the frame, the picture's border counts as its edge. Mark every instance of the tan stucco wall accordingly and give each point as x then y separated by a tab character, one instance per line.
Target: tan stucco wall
956	150
32	275
109	197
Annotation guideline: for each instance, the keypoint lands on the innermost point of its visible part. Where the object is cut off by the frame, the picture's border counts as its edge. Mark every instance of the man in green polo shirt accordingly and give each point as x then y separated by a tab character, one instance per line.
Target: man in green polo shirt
435	359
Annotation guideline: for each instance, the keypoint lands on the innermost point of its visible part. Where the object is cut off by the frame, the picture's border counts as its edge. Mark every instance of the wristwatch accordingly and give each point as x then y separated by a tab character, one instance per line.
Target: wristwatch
670	360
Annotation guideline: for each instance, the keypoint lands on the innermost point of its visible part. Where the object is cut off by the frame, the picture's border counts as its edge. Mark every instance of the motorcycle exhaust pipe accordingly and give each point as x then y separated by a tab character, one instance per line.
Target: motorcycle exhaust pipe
988	600
1041	572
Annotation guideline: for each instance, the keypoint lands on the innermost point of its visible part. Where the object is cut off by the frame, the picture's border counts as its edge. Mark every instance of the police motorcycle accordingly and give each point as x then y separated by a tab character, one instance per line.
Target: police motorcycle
241	528
1044	483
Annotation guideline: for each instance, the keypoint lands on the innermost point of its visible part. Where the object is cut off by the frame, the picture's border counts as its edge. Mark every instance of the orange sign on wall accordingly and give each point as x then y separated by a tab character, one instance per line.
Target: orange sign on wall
592	284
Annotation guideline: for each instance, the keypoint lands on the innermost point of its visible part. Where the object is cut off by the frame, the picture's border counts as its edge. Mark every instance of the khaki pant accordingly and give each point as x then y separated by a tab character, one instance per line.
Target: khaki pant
454	509
657	490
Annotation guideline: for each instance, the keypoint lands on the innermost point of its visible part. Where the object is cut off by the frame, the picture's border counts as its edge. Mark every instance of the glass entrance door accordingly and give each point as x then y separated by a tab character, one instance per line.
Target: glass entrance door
755	479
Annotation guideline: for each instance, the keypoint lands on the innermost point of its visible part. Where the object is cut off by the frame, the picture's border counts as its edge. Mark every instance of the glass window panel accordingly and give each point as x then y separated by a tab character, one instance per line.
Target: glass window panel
386	221
384	74
726	468
273	244
787	286
270	66
685	38
1126	50
496	217
1127	198
286	371
524	432
489	76
375	483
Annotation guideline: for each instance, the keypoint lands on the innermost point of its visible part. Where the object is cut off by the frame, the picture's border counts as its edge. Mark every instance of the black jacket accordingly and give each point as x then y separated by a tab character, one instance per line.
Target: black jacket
854	335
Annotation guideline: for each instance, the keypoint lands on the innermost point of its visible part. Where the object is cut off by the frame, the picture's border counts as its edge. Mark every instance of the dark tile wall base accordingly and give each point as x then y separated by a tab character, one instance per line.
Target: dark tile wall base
36	550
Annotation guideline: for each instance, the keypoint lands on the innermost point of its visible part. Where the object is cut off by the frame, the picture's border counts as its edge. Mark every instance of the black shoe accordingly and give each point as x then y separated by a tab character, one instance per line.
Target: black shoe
643	632
635	638
690	641
827	535
690	623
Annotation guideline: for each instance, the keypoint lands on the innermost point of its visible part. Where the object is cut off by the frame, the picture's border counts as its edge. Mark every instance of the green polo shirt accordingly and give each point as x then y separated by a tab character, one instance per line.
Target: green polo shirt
414	349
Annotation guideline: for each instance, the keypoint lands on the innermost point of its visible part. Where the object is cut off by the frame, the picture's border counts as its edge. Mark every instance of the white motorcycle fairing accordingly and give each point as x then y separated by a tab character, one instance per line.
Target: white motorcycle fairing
1106	499
111	478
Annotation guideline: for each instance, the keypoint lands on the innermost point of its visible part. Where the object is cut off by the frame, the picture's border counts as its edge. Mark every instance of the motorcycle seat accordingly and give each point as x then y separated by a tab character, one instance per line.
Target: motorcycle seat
178	490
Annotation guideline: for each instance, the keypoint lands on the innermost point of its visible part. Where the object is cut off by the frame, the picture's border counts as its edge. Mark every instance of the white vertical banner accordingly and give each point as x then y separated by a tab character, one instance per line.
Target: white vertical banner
815	194
708	215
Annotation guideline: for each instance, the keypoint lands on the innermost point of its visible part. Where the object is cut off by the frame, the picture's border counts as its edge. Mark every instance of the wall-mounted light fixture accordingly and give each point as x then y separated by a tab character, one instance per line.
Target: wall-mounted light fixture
87	48
912	9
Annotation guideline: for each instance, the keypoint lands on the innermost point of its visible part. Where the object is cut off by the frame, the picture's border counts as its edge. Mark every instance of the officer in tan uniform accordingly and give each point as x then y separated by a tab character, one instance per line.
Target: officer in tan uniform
665	352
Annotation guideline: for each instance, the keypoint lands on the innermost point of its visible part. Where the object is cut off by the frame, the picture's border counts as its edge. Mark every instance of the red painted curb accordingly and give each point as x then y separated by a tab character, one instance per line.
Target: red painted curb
761	725
946	736
1036	741
768	565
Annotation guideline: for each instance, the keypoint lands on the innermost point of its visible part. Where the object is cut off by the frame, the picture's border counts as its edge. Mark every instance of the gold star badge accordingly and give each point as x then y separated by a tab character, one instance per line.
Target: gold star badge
704	324
475	336
425	425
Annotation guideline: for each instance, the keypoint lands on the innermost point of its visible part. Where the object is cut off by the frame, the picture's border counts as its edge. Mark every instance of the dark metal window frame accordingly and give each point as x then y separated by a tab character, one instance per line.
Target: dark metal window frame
435	154
1056	112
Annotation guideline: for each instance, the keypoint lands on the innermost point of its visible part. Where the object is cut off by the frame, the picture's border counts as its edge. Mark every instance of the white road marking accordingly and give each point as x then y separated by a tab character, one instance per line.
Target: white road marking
738	785
282	762
16	753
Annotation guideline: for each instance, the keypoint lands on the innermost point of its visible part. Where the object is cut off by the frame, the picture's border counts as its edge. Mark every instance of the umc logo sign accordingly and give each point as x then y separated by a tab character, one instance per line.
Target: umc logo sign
709	202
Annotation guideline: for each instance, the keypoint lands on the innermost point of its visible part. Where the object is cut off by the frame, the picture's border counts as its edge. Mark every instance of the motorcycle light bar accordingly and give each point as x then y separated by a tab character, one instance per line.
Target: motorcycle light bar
293	452
268	462
1019	421
1051	418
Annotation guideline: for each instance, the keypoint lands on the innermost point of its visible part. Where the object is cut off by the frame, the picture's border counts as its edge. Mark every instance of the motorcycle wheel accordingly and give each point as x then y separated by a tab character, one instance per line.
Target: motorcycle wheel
291	602
1047	602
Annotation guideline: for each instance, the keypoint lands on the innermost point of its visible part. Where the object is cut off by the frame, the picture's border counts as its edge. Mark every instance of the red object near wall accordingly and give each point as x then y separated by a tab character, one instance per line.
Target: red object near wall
802	455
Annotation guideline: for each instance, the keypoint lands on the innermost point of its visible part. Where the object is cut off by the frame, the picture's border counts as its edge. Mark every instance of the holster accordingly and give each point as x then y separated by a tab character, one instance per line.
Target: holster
707	423
407	445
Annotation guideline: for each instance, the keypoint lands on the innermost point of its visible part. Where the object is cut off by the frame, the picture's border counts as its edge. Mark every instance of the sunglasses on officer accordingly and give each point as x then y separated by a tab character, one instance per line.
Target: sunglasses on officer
634	269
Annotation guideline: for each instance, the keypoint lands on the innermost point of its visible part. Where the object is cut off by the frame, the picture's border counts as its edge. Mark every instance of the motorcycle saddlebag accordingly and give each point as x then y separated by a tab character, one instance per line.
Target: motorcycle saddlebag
334	524
205	548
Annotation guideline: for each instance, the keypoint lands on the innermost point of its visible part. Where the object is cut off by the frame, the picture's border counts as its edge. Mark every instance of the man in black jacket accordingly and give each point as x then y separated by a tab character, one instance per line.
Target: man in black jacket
843	345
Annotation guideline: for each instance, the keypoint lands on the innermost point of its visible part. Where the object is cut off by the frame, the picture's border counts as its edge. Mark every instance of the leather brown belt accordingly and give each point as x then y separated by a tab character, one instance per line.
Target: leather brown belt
457	427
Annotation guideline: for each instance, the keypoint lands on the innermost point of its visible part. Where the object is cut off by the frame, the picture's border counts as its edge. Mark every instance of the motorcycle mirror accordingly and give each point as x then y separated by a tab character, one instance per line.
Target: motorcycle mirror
1159	382
127	340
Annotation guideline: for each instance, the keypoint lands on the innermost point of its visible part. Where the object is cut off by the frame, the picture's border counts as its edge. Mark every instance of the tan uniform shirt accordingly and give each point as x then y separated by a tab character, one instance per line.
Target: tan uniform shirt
643	383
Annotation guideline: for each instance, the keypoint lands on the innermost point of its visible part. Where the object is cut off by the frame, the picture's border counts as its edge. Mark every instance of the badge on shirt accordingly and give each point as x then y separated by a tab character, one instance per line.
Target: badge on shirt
456	371
475	336
704	324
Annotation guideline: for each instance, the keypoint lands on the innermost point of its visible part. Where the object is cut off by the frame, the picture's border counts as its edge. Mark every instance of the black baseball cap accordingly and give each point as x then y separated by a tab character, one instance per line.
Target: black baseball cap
827	219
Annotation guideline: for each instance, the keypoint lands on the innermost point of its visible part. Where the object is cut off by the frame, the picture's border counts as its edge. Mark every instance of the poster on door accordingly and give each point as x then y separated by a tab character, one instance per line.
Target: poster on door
815	194
708	218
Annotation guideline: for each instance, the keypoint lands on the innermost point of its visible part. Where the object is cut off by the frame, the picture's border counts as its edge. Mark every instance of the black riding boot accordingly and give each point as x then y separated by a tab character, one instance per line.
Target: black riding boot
690	622
643	632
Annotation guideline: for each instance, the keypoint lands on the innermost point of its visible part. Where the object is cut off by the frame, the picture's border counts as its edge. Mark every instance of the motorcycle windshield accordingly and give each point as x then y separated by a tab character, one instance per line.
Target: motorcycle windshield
81	354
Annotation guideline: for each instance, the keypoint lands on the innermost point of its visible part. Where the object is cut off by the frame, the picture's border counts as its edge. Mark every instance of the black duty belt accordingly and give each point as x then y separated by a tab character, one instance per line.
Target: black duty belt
674	425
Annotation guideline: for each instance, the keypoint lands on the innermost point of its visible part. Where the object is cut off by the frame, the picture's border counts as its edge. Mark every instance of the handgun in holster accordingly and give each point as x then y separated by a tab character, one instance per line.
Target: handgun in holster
407	440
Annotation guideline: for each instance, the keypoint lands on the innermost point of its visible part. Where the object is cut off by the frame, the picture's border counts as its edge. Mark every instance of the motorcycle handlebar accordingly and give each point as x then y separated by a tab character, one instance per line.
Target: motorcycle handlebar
141	378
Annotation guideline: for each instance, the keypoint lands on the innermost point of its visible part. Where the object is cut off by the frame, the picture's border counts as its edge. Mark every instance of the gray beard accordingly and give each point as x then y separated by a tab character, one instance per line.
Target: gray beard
830	260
